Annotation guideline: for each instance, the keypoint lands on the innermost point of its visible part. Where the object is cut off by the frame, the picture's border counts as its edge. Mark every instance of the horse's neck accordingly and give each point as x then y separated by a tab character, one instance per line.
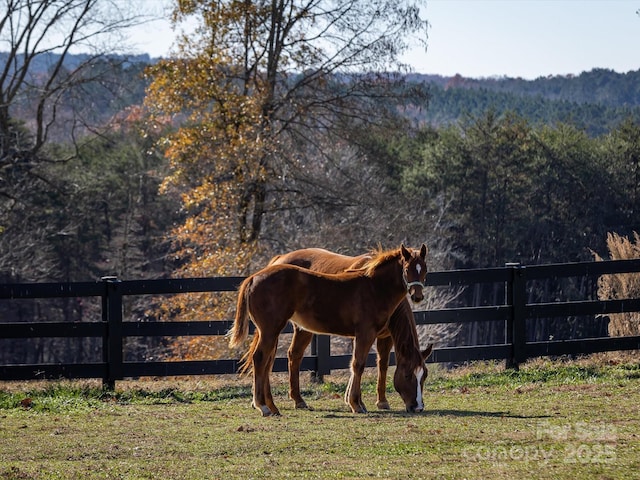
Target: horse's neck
401	324
389	277
403	332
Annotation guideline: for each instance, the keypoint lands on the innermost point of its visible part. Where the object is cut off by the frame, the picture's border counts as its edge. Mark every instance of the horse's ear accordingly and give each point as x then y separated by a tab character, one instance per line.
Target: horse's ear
405	253
423	251
427	351
274	259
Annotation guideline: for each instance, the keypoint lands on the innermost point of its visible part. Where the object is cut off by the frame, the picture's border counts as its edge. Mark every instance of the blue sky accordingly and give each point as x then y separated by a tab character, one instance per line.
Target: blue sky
516	38
529	38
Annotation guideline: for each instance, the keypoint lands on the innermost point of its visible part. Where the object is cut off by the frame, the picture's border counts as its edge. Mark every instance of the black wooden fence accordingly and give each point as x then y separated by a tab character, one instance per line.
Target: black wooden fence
515	312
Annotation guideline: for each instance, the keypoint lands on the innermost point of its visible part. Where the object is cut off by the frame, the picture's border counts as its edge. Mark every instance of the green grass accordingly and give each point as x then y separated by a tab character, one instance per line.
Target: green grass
549	420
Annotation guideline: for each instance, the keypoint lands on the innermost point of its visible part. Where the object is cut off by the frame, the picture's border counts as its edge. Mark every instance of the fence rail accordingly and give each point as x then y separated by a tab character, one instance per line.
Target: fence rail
113	330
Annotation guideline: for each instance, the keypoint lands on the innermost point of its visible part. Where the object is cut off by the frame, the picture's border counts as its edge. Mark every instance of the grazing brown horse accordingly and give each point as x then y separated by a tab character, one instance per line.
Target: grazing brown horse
356	304
401	328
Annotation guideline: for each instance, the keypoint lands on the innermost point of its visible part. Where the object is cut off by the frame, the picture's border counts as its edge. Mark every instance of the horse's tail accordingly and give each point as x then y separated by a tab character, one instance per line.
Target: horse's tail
240	329
245	362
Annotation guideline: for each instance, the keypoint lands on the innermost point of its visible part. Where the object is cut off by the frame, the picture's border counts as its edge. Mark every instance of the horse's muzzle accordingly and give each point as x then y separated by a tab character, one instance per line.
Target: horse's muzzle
415	409
416	293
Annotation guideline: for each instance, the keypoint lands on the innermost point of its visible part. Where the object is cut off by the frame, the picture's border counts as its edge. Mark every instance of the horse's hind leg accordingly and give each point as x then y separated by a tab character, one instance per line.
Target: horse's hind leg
383	345
262	362
268	397
299	343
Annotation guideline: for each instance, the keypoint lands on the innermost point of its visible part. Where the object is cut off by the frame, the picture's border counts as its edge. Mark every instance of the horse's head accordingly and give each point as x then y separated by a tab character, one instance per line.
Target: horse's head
414	271
409	380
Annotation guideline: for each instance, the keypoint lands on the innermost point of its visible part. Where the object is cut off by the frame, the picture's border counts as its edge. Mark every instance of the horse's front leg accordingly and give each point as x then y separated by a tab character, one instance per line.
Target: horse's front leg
299	343
353	395
383	345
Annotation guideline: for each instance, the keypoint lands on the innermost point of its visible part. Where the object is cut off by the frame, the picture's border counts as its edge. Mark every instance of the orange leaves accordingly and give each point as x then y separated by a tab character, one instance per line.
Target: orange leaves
219	153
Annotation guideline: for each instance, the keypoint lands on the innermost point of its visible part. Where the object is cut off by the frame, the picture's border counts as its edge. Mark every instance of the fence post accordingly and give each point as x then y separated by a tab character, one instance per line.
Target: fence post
112	342
516	297
321	348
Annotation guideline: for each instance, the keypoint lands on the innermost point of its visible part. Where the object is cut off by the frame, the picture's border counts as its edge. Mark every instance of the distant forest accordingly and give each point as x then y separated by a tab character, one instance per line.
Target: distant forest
593	101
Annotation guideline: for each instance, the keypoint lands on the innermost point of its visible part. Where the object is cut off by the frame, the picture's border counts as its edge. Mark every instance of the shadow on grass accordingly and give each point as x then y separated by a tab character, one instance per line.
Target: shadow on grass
432	413
476	413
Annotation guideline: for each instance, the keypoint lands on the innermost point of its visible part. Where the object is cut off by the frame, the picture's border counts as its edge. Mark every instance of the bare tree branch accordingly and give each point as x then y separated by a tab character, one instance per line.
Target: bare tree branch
38	78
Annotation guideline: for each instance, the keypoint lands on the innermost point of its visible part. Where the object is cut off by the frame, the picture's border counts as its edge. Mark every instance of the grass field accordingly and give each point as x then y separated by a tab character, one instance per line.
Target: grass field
549	420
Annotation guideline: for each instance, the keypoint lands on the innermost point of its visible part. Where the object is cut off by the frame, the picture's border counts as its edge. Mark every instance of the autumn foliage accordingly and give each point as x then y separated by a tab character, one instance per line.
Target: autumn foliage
215	157
253	92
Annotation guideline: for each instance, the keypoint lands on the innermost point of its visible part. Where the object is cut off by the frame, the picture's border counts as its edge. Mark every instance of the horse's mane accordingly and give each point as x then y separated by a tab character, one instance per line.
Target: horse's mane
378	257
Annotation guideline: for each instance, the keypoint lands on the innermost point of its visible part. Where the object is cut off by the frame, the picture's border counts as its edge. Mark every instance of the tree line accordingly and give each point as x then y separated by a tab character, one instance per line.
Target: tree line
492	190
593	101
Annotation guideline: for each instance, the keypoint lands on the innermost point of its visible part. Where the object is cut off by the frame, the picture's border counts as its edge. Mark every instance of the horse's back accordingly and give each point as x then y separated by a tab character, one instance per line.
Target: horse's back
319	302
320	260
300	284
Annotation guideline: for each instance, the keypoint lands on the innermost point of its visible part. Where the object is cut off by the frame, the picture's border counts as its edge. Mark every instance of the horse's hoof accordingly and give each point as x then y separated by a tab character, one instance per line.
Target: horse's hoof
359	409
265	411
383	405
303	406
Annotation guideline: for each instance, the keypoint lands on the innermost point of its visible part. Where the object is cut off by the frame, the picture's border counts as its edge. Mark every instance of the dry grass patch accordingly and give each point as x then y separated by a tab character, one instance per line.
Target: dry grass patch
621	285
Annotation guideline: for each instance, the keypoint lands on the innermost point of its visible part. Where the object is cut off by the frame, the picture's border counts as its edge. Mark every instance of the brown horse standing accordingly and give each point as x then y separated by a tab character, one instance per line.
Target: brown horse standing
401	330
354	304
